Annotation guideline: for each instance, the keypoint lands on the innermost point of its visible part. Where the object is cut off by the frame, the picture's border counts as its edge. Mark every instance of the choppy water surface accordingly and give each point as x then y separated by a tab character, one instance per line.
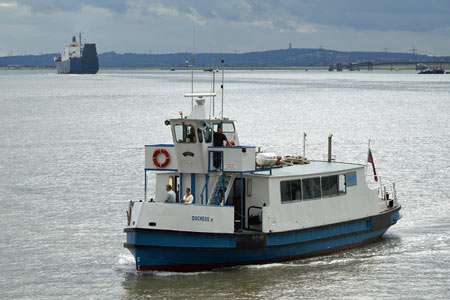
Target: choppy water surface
71	151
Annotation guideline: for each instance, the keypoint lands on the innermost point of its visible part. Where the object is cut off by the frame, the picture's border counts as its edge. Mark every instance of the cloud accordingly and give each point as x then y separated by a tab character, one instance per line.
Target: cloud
164	26
7	4
50	6
409	15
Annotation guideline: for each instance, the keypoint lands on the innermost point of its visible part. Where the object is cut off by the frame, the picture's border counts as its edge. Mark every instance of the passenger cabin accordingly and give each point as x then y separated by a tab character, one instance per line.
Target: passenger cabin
233	196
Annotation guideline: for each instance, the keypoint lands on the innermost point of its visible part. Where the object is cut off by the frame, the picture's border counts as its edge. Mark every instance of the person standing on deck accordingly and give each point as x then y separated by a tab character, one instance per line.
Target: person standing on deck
170	195
219	139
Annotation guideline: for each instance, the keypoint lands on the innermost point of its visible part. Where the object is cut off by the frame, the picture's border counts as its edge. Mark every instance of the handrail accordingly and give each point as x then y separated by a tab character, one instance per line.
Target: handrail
385	187
204	188
218	189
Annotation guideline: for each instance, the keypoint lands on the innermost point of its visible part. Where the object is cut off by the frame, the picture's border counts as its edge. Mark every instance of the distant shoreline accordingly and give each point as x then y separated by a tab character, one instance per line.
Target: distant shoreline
400	67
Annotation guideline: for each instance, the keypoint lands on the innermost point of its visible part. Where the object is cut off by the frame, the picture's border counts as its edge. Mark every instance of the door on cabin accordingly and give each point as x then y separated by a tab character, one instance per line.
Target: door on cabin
234	198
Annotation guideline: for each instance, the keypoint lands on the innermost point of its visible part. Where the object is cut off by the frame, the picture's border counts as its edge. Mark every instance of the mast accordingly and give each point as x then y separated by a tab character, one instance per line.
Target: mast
223	70
79	37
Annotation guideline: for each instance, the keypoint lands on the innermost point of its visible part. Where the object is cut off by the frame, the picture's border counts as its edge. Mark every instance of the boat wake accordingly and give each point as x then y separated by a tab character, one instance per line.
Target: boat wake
170	274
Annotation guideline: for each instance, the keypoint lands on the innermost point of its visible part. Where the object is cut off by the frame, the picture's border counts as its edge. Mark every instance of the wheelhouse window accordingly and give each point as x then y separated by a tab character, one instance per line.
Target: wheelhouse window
227	127
207	132
311	188
185	133
200	135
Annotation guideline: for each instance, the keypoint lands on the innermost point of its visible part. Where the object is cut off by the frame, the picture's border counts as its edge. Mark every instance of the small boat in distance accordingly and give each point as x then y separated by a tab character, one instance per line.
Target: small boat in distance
77	58
247	206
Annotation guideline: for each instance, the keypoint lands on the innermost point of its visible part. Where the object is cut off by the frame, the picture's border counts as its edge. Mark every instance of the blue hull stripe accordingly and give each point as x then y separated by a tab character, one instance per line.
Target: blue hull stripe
201	240
317	233
180	239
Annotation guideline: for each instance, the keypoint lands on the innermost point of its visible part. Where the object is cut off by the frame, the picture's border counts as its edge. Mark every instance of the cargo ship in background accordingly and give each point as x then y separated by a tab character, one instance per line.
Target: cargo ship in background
77	58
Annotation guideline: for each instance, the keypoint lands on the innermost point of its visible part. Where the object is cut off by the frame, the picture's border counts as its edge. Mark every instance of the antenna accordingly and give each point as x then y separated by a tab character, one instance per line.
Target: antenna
414	52
213	87
193	62
223	70
304	144
79	37
192	79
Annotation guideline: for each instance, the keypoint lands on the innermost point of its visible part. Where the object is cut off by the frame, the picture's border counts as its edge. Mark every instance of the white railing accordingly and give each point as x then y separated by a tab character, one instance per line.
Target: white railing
386	188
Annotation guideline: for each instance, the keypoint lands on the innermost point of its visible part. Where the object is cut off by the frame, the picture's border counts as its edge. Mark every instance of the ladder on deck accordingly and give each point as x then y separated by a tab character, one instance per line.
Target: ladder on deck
222	184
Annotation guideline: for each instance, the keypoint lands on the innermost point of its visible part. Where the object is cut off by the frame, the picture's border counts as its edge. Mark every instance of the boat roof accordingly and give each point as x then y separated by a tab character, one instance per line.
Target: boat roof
311	169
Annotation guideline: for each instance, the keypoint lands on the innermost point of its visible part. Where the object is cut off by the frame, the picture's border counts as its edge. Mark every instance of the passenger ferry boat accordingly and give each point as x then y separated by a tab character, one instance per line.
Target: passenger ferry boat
254	208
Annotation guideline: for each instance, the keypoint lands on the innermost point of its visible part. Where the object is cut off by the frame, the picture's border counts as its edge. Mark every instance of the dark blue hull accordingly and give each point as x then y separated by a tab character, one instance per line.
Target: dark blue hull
186	251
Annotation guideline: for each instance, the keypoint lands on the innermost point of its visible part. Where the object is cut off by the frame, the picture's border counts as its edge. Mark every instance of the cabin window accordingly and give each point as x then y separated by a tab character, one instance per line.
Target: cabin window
185	133
200	135
311	188
285	189
291	190
296	190
351	179
342	185
249	187
329	186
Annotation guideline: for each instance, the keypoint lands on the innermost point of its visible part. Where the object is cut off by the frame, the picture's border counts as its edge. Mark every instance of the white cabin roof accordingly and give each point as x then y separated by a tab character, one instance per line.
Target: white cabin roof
311	169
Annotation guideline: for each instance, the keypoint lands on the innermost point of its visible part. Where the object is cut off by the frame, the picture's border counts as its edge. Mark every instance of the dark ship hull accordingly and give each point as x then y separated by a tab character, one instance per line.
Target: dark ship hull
86	64
436	71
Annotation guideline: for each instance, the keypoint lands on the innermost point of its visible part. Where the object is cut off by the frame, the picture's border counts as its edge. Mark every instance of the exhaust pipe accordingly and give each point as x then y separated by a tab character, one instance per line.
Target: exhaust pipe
330	136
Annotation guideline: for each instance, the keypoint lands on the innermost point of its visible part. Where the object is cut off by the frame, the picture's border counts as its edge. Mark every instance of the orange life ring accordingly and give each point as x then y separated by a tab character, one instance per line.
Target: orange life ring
155	158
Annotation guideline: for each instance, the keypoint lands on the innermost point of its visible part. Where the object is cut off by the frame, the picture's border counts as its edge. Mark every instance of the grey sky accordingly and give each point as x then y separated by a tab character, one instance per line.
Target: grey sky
44	26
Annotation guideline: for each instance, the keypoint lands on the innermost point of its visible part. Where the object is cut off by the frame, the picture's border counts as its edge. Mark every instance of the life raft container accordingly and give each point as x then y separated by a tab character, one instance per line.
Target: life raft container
155	158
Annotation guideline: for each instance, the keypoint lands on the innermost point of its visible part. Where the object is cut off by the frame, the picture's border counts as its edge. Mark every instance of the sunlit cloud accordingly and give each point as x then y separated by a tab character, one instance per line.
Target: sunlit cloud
8	4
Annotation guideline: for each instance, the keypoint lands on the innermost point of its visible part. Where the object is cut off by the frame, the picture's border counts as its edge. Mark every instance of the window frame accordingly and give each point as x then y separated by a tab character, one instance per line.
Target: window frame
312	188
303	181
184	133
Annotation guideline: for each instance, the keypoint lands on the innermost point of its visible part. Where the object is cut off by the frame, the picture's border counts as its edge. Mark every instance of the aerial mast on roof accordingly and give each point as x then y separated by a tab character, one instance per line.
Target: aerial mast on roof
223	70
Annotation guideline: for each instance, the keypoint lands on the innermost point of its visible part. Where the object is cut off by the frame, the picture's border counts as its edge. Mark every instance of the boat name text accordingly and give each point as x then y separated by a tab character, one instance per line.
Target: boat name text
202	218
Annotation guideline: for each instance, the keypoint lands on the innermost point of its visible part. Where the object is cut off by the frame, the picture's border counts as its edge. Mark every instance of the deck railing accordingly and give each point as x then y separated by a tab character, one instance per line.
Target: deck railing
386	188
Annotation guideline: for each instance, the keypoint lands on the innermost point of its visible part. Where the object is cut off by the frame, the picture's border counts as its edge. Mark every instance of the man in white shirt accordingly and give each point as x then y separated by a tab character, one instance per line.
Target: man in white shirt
170	195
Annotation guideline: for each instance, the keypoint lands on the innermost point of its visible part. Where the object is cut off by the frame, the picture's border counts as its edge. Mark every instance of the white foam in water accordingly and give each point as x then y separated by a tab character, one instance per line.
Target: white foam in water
125	259
168	274
269	266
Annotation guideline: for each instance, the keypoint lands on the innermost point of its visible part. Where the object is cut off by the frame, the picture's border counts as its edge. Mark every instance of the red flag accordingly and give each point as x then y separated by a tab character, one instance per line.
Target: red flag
370	160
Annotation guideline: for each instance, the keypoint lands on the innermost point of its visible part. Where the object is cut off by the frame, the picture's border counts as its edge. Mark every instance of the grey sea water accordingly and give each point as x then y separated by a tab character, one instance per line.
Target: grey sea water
71	156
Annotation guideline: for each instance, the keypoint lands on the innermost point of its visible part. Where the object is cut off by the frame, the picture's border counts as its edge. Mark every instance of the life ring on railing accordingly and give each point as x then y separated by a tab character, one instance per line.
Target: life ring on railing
155	158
